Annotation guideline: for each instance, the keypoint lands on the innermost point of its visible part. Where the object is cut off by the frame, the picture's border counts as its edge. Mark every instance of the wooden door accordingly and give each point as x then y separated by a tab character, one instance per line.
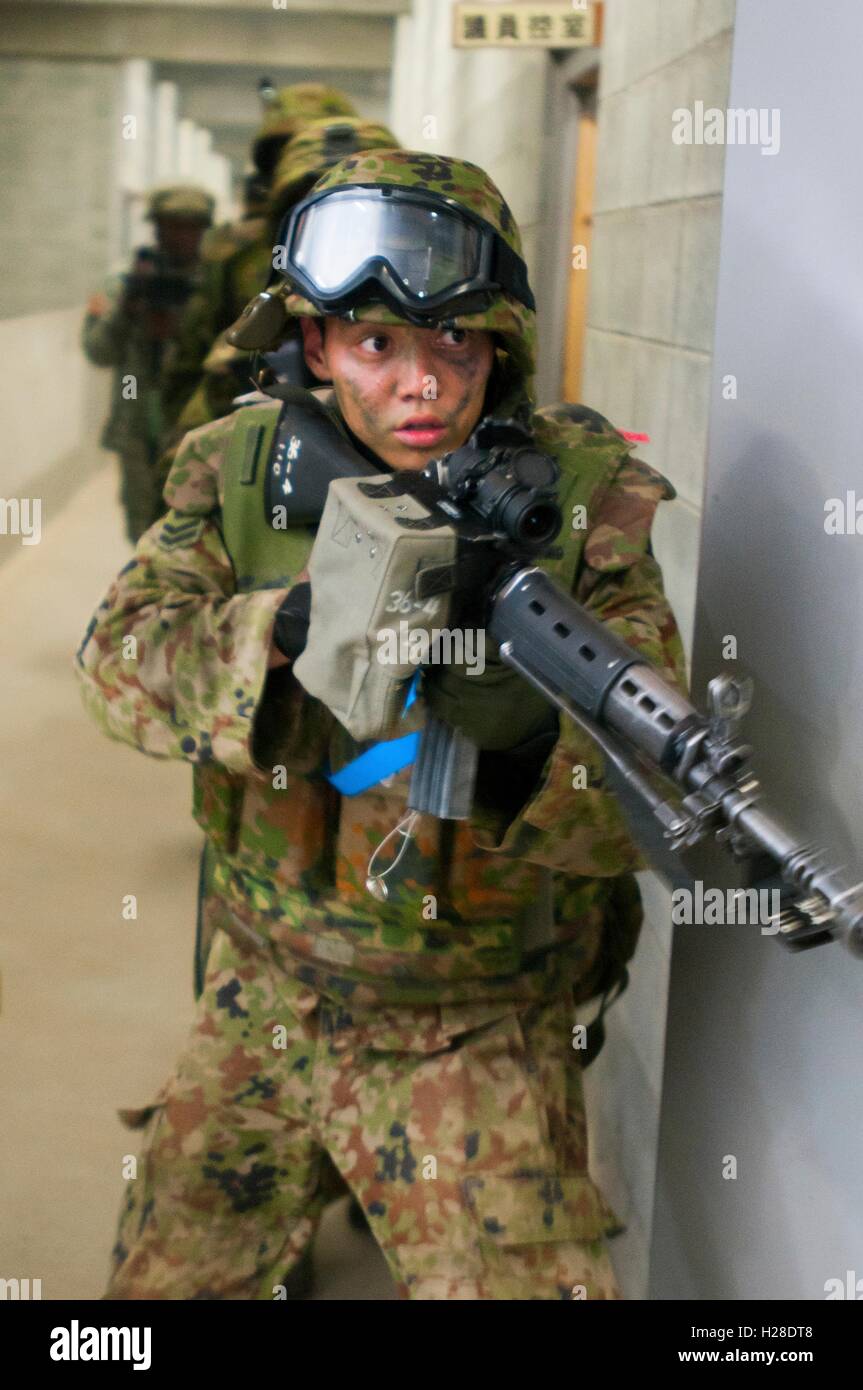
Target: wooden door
582	228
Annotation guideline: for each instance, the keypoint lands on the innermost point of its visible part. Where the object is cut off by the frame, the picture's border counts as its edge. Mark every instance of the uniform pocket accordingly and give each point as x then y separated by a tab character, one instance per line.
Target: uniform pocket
544	1207
541	1236
530	1237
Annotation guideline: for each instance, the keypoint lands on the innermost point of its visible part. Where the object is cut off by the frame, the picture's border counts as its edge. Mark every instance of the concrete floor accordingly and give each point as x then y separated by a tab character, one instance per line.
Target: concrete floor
95	1008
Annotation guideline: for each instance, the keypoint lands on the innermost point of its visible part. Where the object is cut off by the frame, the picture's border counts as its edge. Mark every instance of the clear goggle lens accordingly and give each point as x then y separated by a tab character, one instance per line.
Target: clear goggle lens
429	250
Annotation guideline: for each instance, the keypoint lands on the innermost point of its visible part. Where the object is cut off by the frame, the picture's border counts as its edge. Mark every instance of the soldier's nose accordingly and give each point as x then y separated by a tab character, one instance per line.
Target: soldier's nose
418	377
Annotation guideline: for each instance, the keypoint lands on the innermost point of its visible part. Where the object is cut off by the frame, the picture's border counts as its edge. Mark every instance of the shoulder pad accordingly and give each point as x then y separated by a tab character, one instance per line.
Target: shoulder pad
620	527
592	423
590	420
638	473
193	482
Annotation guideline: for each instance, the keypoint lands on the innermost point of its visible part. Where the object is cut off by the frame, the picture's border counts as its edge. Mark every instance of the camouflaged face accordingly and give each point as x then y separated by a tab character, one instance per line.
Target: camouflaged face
318	146
512	323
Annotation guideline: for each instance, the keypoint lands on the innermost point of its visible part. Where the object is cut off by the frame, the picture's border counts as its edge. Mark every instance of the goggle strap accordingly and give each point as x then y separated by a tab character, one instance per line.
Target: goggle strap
510	272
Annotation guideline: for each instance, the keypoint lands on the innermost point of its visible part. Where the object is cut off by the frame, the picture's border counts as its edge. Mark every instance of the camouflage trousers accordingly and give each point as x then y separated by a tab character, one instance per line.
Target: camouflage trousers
139	487
460	1129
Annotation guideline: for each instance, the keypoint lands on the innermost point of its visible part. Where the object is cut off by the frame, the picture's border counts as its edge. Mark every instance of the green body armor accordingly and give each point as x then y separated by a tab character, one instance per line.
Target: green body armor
264	557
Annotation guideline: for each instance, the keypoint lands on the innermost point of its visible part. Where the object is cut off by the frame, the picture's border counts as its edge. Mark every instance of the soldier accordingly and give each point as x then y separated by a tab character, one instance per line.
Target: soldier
237	255
128	326
431	1059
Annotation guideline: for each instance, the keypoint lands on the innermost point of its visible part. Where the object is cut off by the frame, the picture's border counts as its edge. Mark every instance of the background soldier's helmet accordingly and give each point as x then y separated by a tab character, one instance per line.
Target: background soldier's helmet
287	111
513	325
185	201
318	146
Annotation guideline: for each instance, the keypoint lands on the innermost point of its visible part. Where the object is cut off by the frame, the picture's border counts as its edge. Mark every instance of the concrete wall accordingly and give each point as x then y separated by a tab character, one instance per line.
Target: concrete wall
653	273
764	1048
58	229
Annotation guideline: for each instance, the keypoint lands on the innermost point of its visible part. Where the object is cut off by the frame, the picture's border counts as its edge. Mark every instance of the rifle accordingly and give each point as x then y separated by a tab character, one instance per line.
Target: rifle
498	492
158	289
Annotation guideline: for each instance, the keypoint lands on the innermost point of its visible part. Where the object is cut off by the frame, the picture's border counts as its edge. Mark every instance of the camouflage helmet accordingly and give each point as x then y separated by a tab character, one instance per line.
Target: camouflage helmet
287	111
317	147
185	201
511	322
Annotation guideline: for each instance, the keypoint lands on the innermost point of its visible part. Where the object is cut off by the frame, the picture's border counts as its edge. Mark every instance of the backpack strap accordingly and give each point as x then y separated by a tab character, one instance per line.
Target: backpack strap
595	1030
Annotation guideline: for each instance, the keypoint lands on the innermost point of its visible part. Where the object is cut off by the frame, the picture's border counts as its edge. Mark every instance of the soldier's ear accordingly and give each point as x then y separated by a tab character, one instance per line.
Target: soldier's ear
314	348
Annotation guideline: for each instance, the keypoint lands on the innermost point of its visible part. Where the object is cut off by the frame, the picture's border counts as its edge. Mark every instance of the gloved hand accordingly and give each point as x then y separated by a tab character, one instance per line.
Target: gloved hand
497	709
291	628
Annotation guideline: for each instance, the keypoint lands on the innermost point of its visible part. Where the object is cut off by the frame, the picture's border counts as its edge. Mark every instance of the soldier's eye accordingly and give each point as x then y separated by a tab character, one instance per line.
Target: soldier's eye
376	342
455	337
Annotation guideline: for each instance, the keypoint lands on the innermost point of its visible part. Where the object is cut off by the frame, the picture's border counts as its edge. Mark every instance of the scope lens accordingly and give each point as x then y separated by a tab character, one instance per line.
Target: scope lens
532	523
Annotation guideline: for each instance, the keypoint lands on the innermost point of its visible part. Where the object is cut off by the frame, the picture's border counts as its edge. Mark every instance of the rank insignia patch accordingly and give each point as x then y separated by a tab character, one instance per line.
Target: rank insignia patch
181	533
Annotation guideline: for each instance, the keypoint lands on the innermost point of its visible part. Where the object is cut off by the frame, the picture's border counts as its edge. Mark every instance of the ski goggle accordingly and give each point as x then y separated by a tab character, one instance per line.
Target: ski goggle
419	252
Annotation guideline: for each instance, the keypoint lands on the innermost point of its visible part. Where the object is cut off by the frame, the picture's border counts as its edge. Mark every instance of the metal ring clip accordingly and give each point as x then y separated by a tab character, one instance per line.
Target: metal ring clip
375	881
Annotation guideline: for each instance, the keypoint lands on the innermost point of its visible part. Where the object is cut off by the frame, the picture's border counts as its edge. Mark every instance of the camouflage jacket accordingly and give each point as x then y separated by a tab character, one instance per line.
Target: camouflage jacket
116	340
510	904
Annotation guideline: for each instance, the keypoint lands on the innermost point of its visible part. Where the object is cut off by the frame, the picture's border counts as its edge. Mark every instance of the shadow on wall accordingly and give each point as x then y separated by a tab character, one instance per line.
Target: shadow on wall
762	586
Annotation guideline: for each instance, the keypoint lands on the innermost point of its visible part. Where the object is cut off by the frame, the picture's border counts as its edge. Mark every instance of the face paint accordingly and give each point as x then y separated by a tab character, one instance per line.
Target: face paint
409	394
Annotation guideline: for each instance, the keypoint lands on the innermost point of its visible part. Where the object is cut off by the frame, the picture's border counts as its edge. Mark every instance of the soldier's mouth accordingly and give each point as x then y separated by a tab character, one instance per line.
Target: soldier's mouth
421	432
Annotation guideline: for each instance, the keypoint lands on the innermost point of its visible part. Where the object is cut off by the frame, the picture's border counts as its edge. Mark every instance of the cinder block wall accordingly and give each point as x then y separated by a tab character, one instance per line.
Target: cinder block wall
654	265
656	250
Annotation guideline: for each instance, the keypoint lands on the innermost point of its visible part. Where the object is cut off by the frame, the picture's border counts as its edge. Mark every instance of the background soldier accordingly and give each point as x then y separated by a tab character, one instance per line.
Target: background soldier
237	256
225	371
128	326
431	1060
